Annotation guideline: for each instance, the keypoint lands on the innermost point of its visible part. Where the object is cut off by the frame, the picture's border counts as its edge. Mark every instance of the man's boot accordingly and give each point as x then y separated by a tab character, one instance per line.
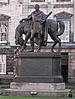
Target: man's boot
32	45
39	45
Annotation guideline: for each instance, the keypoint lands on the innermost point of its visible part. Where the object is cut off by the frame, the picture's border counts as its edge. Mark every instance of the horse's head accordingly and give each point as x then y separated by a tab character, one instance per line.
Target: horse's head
21	29
25	20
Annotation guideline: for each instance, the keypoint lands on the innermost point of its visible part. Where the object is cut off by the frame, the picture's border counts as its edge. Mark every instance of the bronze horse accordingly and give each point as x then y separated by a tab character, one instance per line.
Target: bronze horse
53	26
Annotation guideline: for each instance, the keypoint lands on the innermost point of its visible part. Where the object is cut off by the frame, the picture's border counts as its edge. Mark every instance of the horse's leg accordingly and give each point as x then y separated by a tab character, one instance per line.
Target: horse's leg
54	38
32	41
39	42
16	50
39	45
59	44
55	42
26	39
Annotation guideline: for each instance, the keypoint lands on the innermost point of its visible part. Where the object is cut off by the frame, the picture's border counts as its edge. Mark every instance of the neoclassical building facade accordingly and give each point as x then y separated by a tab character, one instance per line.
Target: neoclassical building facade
12	11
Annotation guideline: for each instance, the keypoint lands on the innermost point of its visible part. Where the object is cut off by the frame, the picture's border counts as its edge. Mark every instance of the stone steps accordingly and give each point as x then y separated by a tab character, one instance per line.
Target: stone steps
51	93
37	89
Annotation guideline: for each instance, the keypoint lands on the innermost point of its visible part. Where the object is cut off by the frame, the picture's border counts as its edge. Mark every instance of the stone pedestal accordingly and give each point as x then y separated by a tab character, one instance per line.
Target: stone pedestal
41	67
38	74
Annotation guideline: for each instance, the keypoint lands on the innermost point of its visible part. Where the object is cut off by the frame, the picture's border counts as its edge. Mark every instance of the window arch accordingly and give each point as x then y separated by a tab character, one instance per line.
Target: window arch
63	0
37	0
66	18
4	28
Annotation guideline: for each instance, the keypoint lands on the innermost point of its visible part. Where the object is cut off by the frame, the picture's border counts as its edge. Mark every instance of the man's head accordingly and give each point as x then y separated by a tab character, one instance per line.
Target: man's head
36	7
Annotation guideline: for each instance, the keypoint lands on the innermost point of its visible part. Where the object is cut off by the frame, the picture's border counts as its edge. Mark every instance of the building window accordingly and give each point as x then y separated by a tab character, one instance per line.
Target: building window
3	31
66	18
4	1
2	64
65	36
37	0
62	0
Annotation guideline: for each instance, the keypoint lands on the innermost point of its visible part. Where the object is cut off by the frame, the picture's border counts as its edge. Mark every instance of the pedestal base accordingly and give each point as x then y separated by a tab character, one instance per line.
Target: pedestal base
37	89
38	74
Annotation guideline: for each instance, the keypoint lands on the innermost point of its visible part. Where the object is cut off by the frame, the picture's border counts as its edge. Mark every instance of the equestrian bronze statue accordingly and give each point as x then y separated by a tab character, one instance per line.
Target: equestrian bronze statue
37	27
52	31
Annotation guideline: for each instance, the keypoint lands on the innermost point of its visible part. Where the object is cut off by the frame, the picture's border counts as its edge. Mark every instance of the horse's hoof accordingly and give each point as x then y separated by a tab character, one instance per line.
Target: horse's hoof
31	51
16	52
52	50
38	50
59	50
24	47
21	50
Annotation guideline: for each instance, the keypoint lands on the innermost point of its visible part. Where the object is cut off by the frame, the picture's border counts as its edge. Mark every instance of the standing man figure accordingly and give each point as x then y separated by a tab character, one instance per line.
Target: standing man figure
38	17
39	28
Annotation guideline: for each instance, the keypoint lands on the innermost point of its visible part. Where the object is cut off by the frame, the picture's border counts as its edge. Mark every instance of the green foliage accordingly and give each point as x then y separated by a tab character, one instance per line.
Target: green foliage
31	97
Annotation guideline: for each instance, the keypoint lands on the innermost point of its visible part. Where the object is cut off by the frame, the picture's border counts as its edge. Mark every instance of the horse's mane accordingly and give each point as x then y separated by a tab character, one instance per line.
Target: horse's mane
24	20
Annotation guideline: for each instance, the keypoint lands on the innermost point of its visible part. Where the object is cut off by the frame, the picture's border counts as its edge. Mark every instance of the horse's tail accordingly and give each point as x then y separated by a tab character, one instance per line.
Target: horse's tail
62	27
17	34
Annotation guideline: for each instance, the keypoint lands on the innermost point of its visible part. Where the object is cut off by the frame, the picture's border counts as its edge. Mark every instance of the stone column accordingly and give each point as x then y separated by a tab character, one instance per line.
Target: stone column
74	19
71	78
50	7
25	8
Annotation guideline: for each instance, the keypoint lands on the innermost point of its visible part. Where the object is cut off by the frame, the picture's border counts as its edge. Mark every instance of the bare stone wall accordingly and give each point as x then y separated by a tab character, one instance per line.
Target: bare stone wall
14	10
18	9
71	61
71	65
